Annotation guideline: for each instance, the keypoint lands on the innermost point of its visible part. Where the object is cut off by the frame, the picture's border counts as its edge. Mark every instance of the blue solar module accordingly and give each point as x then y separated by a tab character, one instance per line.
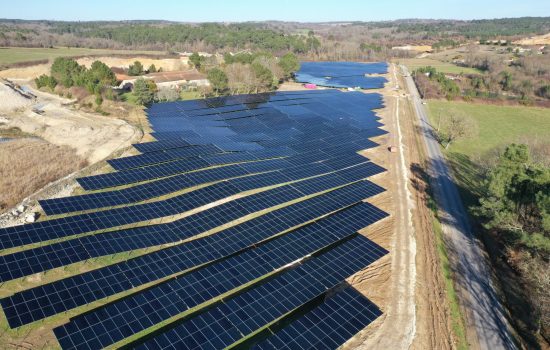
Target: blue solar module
139	192
24	307
159	136
239	316
102	327
343	74
48	257
231	165
130	176
326	327
162	156
95	221
160	145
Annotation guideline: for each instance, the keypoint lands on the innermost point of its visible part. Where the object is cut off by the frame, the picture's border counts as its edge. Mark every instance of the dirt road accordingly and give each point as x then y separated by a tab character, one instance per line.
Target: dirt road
485	317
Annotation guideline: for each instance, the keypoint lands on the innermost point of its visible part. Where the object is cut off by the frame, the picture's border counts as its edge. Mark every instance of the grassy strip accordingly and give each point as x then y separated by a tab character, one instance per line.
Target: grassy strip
457	321
498	126
14	55
444	67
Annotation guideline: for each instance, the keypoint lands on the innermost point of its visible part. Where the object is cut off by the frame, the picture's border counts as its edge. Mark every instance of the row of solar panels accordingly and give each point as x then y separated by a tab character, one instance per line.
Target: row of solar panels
191	290
199	269
224	104
25	307
343	74
44	258
165	169
89	222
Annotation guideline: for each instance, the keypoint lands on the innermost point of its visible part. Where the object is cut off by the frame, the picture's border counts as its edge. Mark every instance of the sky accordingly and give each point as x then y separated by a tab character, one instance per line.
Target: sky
260	10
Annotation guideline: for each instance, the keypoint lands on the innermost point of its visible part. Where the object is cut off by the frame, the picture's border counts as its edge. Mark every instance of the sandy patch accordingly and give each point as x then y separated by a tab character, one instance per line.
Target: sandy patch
11	100
26	72
535	40
167	64
94	137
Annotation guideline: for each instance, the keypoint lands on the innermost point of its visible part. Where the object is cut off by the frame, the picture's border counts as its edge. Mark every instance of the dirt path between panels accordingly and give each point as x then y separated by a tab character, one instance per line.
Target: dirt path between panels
407	283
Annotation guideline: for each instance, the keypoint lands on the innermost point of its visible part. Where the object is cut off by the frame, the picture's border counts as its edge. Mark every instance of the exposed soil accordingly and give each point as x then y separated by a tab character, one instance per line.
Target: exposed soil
58	123
94	137
11	100
535	40
406	284
26	73
31	72
167	64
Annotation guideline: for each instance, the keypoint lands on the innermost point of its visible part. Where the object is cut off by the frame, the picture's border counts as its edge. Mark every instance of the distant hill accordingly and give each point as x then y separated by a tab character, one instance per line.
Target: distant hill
308	39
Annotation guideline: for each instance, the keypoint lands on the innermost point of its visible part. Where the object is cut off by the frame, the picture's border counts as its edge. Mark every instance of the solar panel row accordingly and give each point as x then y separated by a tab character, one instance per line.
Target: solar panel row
164	186
343	74
126	177
178	142
49	299
225	145
163	156
129	316
95	221
239	316
326	327
47	257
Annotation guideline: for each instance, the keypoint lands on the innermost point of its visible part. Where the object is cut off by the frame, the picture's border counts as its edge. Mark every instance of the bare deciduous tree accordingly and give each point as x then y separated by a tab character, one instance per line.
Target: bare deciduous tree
455	126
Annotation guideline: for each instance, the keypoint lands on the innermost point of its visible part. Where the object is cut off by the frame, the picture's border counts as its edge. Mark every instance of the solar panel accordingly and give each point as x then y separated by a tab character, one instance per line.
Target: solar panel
130	176
139	192
294	153
328	326
161	157
102	327
342	74
239	316
24	307
173	134
44	258
165	186
95	221
160	145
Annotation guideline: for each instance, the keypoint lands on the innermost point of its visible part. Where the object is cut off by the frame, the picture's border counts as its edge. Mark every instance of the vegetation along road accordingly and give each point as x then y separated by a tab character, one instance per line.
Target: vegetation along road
484	313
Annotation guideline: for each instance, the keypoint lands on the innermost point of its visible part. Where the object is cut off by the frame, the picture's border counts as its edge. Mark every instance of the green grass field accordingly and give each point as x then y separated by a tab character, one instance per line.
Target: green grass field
444	67
498	126
11	55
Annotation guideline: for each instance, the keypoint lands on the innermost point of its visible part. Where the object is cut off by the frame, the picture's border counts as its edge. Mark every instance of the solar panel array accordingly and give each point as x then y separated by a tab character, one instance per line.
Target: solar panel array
343	74
265	191
248	312
328	326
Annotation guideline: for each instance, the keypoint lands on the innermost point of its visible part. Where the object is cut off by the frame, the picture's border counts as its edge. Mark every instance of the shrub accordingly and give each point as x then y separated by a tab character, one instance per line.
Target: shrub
135	69
144	91
45	81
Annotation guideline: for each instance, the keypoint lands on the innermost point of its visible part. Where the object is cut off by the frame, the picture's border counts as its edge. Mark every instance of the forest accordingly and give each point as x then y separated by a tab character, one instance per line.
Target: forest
354	40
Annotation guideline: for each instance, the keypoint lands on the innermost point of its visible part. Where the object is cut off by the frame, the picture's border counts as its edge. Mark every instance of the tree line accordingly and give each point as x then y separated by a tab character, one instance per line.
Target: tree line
218	36
67	72
358	40
443	86
514	206
246	73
